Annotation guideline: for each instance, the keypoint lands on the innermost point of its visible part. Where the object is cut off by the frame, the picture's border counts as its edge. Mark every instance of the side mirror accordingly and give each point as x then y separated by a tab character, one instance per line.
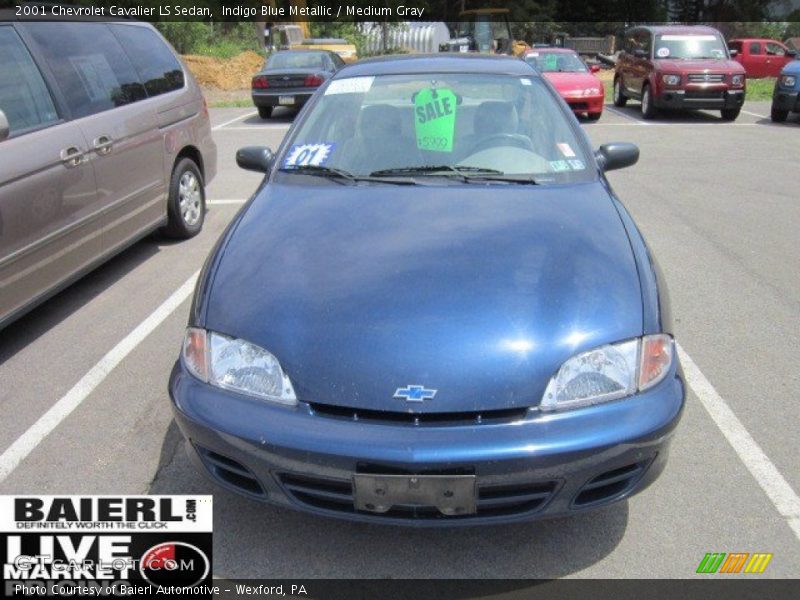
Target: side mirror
617	155
594	69
255	158
733	52
4	127
640	53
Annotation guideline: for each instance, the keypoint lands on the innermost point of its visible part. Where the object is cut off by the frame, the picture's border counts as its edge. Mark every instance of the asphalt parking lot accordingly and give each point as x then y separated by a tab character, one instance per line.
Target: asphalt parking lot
84	407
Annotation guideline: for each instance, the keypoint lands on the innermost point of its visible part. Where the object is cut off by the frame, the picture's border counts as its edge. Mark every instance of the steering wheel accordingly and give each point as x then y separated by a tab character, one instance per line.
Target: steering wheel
503	139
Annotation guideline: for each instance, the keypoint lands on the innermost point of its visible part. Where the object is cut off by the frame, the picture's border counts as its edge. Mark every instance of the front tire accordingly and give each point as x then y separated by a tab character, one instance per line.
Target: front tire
620	99
730	114
186	206
265	112
779	116
648	109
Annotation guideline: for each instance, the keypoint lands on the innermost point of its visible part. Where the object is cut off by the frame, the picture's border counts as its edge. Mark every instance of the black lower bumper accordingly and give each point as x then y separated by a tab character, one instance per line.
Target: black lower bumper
786	101
273	100
685	99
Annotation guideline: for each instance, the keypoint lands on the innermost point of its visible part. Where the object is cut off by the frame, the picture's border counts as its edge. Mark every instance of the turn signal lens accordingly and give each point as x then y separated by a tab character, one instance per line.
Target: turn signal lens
195	356
656	358
313	81
260	82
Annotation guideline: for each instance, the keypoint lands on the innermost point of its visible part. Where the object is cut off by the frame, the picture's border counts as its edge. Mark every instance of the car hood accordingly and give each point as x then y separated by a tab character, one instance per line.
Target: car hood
566	82
791	68
698	66
477	291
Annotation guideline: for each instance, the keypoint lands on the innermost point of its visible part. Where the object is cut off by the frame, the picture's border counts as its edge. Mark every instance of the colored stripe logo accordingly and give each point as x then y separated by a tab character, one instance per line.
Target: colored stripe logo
734	562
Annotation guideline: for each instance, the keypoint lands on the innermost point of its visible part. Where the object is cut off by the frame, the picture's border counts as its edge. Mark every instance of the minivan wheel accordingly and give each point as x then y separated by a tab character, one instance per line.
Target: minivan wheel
265	112
619	98
186	208
730	114
648	110
779	116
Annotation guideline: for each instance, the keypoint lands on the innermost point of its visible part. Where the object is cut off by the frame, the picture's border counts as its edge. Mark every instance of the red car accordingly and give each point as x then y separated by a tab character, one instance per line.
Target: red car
760	57
575	82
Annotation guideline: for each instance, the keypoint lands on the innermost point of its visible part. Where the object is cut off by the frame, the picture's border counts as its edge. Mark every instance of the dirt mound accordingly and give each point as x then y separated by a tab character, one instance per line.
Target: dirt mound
224	73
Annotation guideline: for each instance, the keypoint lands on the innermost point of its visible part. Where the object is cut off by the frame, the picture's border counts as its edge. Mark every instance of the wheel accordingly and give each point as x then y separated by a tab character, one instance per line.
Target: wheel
265	112
778	115
593	116
619	97
648	110
186	207
730	114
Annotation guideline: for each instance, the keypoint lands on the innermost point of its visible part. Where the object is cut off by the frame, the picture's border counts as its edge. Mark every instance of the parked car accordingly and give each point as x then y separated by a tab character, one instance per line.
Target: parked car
679	67
104	137
433	311
290	77
786	97
576	83
760	57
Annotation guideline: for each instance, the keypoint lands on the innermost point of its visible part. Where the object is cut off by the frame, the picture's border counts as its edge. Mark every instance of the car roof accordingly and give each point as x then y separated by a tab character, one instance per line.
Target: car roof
680	29
438	63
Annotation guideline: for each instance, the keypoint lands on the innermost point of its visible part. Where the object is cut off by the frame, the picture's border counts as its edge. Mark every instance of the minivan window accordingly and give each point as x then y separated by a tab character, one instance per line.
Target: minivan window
153	60
690	46
89	65
24	97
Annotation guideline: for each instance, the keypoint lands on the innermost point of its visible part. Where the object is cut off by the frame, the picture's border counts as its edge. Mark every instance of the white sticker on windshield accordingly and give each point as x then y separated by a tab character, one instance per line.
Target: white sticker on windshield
662	52
566	150
526	81
351	85
308	154
576	164
688	38
559	165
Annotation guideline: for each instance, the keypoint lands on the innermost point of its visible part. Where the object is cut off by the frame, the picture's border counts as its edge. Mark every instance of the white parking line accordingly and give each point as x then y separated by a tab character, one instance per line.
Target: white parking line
239	118
752	114
226	201
626	116
28	441
259	127
775	486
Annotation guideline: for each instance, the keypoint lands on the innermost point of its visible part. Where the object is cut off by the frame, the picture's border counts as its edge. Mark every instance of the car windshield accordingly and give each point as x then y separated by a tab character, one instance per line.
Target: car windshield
296	60
556	62
466	127
689	46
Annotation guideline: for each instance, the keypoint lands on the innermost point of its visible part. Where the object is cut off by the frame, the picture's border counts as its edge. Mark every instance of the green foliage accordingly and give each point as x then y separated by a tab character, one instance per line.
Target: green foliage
222	40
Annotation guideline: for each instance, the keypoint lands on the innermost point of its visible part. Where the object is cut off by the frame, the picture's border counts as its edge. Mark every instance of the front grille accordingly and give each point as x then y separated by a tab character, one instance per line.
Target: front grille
230	473
493	500
420	419
704	95
706	78
610	485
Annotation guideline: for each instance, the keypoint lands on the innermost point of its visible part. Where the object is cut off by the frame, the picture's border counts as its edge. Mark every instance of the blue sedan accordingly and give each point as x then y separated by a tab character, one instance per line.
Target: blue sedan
433	311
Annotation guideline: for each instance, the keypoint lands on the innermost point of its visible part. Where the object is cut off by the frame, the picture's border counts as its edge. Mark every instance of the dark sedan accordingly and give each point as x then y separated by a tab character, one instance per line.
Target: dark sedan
290	78
434	310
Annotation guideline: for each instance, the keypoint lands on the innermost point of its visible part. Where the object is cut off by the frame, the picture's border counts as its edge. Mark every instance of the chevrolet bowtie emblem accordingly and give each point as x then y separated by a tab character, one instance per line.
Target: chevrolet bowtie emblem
414	393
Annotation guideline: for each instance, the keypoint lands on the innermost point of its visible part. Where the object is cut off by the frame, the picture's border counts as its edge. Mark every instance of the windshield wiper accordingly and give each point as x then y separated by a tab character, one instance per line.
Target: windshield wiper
464	172
332	172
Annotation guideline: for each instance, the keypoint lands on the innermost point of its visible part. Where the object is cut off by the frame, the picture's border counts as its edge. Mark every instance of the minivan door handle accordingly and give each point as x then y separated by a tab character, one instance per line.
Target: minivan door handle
72	156
103	144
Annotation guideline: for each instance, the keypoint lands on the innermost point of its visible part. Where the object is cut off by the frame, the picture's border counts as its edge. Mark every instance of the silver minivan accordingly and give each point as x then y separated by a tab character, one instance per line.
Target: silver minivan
104	138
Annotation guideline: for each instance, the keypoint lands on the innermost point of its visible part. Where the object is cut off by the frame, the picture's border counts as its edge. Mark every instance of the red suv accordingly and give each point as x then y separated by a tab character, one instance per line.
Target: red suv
679	67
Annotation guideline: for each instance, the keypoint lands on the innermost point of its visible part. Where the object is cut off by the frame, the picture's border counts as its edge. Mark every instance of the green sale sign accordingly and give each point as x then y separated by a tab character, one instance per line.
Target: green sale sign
435	119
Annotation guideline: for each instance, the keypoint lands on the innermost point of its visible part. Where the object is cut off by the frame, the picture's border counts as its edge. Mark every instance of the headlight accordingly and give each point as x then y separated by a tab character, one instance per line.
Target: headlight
671	79
236	365
609	372
788	81
591	92
737	79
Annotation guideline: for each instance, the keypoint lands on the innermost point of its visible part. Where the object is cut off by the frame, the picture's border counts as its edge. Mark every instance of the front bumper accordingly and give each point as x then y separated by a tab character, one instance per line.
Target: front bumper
541	466
299	97
786	100
708	99
586	104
